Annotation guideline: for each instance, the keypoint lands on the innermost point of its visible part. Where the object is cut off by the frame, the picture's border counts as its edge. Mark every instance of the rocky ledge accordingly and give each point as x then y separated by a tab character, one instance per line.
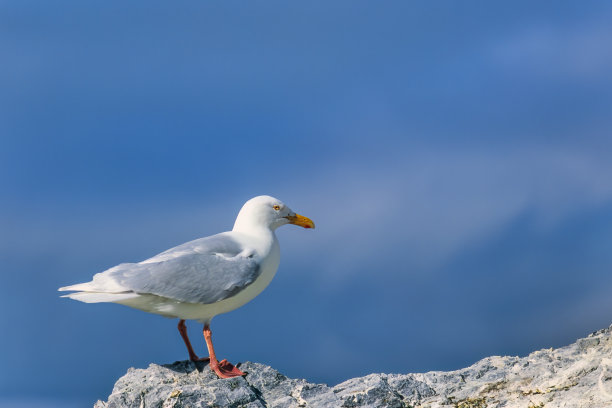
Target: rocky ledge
578	375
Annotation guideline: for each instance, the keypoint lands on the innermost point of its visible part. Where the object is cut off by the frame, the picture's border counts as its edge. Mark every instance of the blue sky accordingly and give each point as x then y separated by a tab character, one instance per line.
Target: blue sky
455	157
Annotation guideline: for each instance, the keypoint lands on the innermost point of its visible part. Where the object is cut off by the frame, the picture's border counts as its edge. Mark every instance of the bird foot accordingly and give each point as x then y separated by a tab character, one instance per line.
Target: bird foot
225	369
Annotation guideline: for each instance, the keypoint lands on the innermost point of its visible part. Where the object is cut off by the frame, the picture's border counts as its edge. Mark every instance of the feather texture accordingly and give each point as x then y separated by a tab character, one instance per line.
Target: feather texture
205	271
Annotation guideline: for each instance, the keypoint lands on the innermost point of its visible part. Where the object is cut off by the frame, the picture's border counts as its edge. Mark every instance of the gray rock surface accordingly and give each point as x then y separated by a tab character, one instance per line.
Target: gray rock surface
578	375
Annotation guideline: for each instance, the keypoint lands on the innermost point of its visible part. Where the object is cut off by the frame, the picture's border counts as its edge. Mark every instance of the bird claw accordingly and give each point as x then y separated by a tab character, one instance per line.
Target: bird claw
225	369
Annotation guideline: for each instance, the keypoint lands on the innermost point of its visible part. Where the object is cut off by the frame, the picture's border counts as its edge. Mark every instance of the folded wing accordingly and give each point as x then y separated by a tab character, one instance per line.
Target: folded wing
202	271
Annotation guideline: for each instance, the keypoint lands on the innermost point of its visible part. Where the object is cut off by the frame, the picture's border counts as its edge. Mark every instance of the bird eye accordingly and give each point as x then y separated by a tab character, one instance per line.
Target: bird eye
276	207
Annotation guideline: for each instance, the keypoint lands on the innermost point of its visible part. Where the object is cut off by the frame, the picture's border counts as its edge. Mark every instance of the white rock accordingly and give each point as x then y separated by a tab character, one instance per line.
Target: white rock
576	376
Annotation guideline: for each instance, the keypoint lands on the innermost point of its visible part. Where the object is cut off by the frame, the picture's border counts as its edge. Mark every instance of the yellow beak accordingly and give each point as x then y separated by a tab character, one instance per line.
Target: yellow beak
300	220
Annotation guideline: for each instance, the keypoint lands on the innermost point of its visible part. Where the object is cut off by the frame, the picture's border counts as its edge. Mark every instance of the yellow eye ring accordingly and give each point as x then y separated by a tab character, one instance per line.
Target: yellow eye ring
276	207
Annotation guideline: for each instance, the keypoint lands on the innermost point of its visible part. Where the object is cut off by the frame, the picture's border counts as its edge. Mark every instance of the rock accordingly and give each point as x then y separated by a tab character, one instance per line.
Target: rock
578	375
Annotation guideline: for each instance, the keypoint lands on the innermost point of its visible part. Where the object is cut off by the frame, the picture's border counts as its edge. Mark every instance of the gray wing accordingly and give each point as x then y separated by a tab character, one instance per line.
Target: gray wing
193	272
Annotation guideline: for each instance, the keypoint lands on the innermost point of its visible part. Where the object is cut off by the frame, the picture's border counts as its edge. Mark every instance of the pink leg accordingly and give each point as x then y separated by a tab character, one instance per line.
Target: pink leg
224	369
192	355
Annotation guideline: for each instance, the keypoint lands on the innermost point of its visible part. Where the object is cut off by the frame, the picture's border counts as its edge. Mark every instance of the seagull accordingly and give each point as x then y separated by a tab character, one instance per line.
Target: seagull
202	278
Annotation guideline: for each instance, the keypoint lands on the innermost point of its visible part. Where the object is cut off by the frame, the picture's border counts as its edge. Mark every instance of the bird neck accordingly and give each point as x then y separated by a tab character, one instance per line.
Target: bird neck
263	239
249	227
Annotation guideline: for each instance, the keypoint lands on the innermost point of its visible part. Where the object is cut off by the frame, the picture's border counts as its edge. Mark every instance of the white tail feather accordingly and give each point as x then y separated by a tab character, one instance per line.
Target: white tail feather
79	286
98	297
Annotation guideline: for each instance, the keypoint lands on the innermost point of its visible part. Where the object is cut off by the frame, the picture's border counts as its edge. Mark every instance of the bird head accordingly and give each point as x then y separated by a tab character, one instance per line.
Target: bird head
268	212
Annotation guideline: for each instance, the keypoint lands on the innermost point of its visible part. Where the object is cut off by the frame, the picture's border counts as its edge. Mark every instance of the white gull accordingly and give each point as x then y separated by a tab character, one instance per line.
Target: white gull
202	278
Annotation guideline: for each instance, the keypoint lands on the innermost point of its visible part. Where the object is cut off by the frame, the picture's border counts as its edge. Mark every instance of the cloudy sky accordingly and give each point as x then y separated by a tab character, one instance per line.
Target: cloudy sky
455	157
